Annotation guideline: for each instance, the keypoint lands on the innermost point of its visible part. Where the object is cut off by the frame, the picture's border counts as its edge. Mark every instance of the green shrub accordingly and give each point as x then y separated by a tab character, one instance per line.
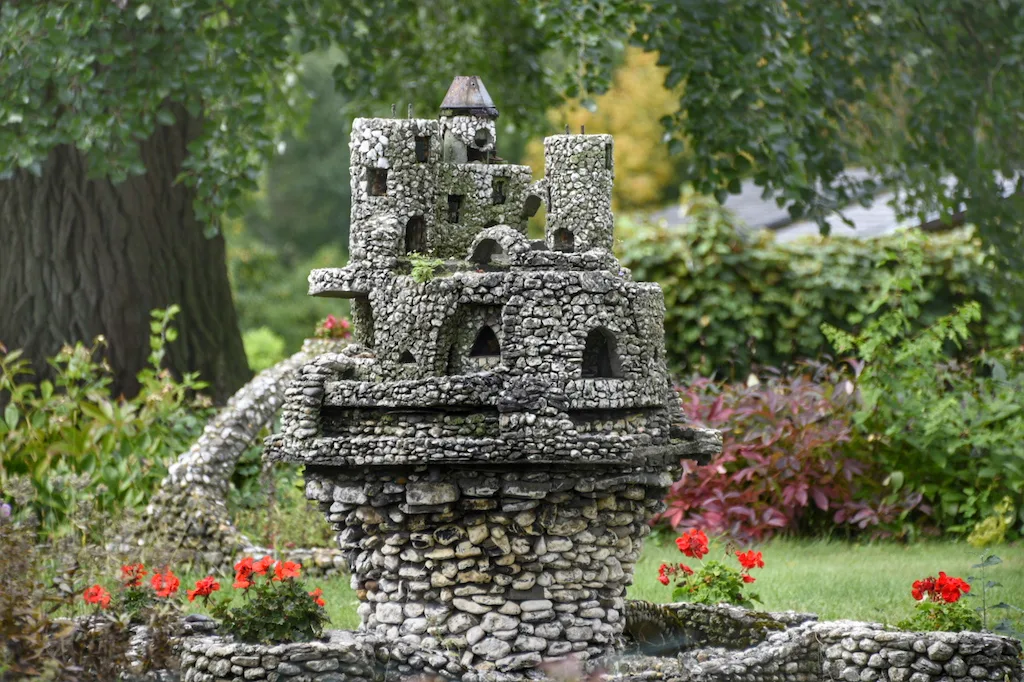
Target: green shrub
263	348
733	302
946	429
79	444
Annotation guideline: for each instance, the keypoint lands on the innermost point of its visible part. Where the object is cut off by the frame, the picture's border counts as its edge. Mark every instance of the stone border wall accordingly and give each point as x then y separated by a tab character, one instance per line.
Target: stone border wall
188	512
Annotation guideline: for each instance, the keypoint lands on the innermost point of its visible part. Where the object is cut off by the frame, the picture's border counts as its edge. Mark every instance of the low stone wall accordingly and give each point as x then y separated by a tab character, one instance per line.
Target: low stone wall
188	512
860	652
663	628
343	657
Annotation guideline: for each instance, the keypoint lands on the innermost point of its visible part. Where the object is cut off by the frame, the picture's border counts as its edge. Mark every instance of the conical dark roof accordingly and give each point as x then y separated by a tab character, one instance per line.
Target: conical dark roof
467	96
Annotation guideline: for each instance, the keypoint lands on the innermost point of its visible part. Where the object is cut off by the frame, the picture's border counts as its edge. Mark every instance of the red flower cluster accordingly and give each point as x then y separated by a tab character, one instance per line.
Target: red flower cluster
132	575
944	588
204	588
317	596
248	567
165	584
664	571
334	328
693	543
748	560
286	569
96	595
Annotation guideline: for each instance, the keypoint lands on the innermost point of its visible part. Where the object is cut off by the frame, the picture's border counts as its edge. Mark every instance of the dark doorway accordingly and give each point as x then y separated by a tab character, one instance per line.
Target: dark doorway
600	359
416	235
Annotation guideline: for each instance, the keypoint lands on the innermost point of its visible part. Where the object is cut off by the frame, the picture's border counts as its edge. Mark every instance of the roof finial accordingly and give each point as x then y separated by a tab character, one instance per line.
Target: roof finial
409	114
567	131
583	129
394	110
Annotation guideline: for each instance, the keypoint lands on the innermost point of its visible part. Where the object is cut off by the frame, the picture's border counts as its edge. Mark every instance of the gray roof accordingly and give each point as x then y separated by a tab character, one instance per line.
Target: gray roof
757	213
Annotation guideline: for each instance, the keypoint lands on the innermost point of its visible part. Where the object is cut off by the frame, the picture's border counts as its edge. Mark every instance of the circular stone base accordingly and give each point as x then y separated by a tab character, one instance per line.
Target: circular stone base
500	567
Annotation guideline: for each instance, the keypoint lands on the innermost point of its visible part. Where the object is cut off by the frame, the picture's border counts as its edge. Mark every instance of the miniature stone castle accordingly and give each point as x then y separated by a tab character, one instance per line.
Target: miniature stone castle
493	446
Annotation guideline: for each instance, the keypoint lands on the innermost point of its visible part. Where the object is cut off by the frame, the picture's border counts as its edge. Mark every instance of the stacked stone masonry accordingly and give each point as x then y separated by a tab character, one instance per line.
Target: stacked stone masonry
494	445
796	648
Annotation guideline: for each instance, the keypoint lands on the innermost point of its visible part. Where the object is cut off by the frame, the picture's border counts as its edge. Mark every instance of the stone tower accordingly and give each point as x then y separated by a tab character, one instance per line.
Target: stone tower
493	446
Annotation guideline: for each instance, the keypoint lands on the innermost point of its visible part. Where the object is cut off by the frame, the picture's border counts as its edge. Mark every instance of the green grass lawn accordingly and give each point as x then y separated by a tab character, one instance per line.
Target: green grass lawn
836	580
869	582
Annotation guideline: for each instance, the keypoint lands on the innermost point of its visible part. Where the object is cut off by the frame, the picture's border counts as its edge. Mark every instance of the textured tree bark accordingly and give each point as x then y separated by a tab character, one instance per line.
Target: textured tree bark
82	257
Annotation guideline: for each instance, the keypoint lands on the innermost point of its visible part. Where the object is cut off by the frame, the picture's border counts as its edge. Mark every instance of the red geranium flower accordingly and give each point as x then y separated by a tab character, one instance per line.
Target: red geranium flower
317	596
204	588
662	575
750	559
685	569
747	578
922	587
243	574
286	569
950	588
693	543
96	595
165	584
263	565
132	575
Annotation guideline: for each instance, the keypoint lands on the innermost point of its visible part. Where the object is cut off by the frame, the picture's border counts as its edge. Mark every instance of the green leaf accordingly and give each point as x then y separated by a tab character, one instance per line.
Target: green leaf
11	415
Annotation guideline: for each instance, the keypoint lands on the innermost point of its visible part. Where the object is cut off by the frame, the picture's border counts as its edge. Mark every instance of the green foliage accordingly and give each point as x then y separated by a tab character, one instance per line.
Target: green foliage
304	198
104	75
273	611
424	269
939	616
270	289
263	348
733	302
947	430
993	528
80	444
715	583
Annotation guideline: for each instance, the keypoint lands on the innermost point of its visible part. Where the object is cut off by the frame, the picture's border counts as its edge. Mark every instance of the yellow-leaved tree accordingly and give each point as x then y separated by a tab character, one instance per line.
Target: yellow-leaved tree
645	175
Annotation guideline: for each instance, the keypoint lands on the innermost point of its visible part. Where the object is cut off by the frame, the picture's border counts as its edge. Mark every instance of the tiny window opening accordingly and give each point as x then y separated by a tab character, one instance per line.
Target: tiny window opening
454	207
378	181
422	148
499	190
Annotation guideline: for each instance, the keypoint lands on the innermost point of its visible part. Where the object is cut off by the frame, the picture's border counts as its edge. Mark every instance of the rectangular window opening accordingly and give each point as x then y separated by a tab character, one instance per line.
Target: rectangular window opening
422	148
477	156
608	157
377	181
454	207
499	190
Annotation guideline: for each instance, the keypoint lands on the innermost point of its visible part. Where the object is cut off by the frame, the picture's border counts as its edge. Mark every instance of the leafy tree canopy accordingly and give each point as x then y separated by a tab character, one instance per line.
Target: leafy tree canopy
102	74
791	92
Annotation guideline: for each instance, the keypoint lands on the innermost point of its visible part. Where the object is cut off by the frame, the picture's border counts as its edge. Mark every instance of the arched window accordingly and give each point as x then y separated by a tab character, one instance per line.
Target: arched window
486	251
600	359
407	358
486	344
416	235
562	240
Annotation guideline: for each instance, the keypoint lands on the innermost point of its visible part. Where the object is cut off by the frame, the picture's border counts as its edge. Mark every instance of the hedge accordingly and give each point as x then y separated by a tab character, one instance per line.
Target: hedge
735	302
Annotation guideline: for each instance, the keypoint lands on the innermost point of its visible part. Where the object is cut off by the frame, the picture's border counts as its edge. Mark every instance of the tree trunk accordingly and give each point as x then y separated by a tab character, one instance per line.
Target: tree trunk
82	257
